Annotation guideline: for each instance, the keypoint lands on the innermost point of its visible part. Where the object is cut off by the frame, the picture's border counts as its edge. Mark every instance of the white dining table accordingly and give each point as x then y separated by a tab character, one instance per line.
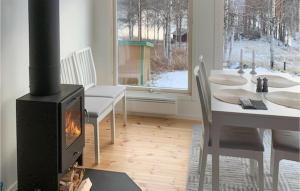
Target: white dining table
277	117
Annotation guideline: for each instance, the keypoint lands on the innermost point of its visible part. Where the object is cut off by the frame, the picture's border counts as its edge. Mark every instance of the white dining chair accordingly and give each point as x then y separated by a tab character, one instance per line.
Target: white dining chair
234	141
285	145
85	68
253	163
98	108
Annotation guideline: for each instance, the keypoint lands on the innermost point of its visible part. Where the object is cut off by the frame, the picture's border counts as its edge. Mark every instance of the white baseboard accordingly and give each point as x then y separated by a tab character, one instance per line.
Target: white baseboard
13	187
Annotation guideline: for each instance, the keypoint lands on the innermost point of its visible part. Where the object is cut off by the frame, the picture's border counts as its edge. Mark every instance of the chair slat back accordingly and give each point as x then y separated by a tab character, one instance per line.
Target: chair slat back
68	73
203	72
85	67
203	97
204	140
206	89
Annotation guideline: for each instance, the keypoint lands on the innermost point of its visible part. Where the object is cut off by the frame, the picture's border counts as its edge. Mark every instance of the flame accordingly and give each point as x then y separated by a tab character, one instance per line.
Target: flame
72	128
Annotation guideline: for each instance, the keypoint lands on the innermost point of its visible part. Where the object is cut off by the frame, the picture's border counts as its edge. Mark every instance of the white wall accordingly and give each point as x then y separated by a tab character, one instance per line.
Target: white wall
14	78
75	25
203	43
75	34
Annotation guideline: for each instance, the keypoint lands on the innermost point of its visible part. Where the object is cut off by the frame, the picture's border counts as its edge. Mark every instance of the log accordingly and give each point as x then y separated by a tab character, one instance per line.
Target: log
67	187
85	185
72	179
68	177
78	176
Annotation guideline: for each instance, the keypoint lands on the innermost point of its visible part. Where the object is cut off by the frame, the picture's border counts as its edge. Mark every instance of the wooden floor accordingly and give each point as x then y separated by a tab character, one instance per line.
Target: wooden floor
154	152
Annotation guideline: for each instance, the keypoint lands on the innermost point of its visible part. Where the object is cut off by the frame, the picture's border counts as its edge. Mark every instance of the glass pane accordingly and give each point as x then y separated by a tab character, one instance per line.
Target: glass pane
73	123
267	29
153	43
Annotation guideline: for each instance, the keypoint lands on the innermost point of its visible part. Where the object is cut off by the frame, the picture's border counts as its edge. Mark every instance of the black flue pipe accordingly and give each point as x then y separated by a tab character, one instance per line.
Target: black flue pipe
44	47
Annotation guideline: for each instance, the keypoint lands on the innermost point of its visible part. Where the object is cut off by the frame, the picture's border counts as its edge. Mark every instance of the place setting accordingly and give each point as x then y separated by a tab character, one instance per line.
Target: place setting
255	100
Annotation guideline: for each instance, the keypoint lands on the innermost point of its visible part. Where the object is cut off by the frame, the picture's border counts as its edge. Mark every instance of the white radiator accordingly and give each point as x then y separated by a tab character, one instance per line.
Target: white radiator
152	104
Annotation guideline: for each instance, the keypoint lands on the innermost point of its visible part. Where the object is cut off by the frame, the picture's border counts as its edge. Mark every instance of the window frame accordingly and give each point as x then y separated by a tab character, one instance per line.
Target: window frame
219	34
154	89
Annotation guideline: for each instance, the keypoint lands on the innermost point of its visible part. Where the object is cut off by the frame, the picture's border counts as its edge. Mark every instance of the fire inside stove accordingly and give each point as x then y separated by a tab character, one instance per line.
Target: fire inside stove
72	123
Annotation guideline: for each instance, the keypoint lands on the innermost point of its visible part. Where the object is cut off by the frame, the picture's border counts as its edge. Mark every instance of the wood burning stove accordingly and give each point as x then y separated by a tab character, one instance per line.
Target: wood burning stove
50	137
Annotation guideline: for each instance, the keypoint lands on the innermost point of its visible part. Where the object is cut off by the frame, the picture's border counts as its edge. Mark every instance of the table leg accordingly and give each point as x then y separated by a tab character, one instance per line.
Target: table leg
125	109
215	152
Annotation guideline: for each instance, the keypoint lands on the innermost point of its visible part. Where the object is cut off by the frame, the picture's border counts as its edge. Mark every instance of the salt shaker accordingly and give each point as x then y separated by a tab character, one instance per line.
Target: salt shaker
259	85
265	85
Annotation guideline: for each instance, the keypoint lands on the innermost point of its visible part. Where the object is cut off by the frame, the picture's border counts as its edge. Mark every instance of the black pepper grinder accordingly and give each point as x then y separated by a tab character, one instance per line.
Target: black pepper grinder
259	85
265	85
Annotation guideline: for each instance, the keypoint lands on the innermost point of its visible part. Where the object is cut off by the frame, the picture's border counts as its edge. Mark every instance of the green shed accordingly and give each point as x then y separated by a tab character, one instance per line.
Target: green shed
134	62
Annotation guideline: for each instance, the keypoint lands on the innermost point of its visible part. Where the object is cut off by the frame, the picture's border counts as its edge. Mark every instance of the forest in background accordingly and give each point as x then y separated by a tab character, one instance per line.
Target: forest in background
157	21
270	26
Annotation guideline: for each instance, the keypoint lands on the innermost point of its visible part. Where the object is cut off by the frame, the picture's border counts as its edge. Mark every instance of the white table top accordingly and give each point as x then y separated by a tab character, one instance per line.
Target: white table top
273	109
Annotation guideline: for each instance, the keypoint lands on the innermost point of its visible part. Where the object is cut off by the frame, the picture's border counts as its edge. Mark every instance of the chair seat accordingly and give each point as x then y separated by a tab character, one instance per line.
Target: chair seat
95	106
286	141
239	138
105	91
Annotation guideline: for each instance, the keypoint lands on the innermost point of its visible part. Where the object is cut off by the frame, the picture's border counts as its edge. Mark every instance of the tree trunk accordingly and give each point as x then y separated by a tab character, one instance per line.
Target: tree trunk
154	32
180	31
147	24
158	30
169	31
139	20
271	36
230	45
165	28
177	32
131	26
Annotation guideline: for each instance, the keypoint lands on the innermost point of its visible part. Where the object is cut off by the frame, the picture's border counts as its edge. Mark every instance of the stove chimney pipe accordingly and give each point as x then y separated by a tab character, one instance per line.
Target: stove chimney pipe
44	47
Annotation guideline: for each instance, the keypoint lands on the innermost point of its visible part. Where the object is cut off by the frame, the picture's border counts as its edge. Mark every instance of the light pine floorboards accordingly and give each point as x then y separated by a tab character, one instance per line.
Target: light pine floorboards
154	152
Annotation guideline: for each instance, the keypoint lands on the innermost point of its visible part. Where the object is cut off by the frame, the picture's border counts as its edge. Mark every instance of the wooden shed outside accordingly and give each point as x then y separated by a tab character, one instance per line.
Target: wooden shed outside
134	62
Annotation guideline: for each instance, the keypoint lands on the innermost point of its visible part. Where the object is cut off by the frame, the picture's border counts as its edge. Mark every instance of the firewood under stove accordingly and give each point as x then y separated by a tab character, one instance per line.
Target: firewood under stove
73	180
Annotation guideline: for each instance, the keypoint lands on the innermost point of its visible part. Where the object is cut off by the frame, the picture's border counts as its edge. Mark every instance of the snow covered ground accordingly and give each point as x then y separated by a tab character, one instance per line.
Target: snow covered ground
289	54
176	80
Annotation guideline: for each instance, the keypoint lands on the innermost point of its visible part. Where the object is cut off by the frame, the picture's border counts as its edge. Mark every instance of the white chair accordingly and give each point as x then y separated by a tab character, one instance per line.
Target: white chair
234	141
86	71
97	108
285	145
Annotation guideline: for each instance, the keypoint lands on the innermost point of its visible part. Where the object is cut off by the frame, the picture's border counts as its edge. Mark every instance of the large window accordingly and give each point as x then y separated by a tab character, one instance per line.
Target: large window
153	43
268	28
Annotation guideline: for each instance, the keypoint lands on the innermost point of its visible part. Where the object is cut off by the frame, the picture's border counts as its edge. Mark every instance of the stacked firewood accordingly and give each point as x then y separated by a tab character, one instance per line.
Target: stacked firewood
73	180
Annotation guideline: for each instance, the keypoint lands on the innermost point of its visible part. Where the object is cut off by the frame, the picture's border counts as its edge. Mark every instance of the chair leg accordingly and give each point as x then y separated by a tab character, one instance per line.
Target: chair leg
253	167
113	125
96	140
261	133
261	173
272	160
275	170
125	109
202	167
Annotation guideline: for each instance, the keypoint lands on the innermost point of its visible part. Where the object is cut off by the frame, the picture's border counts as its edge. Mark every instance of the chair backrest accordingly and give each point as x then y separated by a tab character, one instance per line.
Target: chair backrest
85	67
68	73
203	73
204	140
203	96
